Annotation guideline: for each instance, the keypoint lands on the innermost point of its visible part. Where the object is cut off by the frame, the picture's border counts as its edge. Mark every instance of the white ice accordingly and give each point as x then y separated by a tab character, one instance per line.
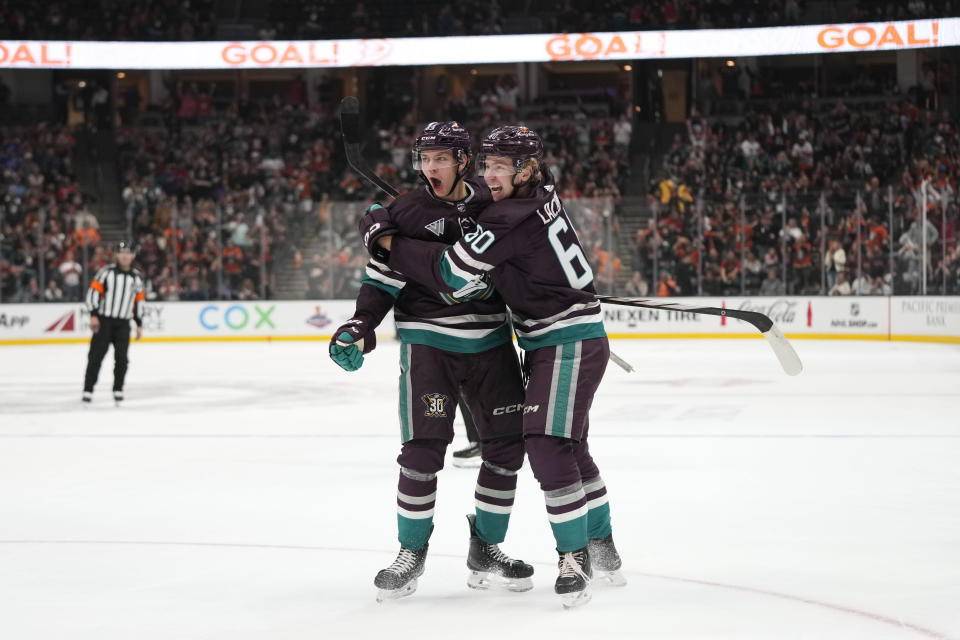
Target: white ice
247	490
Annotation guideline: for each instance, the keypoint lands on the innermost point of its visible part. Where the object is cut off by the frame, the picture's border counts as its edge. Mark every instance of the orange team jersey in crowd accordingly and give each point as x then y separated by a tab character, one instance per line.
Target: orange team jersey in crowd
168	234
88	236
878	238
232	259
665	289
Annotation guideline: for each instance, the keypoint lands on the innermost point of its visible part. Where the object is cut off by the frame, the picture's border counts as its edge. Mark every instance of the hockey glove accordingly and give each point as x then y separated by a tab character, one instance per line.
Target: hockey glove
350	343
376	222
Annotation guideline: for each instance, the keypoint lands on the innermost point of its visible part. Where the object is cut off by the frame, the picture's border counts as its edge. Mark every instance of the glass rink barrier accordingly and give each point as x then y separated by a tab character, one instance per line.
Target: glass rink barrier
855	239
858	238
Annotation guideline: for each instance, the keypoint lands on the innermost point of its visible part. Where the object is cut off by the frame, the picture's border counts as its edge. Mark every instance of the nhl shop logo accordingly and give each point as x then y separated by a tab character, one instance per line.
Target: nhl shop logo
436	405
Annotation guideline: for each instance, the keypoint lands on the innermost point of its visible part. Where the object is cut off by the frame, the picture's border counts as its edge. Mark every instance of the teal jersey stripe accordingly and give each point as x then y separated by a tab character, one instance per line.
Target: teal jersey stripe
380	285
453	343
405	426
446	272
413	534
598	521
563	335
564	378
570	535
492	527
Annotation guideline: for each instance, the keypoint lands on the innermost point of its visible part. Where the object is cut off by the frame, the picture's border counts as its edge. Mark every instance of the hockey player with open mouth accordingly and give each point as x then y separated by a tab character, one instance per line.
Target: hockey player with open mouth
526	245
452	352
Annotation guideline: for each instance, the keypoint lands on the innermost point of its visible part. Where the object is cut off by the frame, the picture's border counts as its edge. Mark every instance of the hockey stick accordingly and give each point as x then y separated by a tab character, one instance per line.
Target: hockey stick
350	128
782	348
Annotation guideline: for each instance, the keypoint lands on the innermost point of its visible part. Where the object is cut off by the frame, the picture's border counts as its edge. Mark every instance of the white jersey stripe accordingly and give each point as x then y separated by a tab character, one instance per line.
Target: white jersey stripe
557	325
470	260
449	331
577	307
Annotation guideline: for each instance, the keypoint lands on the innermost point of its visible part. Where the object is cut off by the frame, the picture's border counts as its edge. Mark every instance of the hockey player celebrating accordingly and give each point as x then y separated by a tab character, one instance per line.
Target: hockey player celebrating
450	353
526	243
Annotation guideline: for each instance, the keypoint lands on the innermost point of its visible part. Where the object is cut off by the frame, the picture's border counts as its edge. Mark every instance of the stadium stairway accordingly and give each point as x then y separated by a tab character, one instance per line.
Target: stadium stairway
634	214
97	174
290	281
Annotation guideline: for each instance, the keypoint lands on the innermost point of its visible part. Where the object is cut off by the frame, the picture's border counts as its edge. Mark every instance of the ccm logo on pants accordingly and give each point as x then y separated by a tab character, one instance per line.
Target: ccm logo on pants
515	408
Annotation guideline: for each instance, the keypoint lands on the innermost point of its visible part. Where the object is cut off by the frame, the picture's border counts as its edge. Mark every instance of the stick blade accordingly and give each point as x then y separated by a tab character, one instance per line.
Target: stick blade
350	120
784	351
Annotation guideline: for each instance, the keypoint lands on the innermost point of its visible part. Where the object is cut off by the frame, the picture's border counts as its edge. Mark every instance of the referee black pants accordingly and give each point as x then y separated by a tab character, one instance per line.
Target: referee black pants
112	331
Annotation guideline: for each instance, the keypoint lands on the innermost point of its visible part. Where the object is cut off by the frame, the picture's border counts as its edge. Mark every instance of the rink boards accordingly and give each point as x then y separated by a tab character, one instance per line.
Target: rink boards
927	319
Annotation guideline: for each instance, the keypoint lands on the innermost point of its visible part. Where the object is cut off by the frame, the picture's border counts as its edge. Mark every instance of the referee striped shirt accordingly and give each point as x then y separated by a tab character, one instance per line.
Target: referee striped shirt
117	294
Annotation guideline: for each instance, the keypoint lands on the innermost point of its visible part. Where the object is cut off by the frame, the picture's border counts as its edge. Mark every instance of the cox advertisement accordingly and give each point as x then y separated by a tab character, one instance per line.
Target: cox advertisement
186	321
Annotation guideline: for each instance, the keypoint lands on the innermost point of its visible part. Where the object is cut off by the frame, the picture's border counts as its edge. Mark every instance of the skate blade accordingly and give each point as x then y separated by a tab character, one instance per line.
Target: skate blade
396	594
611	578
578	599
483	580
467	463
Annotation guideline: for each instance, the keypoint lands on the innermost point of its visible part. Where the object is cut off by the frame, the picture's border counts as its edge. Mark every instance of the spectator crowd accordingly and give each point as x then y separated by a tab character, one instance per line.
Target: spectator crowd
255	197
806	197
48	235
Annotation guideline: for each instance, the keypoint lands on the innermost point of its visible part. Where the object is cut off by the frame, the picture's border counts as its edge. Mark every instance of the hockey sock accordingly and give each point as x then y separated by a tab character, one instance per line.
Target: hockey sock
567	512
598	508
416	496
494	495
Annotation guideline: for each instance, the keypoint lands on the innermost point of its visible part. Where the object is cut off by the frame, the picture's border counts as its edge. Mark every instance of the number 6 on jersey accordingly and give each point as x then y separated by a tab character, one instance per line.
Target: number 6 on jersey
568	255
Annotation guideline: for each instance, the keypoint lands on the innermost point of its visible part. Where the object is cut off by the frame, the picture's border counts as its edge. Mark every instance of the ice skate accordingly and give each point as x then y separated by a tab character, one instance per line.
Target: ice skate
86	398
118	398
468	457
605	561
573	583
491	567
400	578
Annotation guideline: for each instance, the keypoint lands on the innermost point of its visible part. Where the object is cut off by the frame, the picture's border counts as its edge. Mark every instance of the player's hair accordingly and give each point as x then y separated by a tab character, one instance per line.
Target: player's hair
534	164
525	190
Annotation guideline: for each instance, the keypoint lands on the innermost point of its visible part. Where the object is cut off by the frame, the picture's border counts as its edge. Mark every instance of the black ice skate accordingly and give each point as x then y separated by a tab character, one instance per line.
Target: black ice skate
573	583
606	561
468	457
489	566
400	578
117	397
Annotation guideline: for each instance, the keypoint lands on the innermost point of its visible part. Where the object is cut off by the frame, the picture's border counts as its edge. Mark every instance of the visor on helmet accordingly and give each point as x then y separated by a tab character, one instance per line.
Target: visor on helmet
435	160
498	166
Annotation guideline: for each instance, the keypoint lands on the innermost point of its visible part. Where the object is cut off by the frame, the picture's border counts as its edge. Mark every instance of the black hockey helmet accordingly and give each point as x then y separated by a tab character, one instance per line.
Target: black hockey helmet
446	134
123	245
512	141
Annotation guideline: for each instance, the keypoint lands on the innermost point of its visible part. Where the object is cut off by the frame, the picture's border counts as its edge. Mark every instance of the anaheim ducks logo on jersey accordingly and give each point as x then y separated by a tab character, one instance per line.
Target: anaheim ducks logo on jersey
436	405
436	227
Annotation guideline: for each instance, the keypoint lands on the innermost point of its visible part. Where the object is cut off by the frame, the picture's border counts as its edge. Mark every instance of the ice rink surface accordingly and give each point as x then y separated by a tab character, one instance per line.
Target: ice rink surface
247	490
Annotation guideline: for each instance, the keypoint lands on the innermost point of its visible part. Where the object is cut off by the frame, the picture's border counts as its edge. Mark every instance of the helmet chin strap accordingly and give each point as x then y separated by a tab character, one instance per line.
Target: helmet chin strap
456	181
517	187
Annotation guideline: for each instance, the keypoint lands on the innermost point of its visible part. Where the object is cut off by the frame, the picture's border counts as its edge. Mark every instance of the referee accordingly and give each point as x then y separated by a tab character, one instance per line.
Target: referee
115	297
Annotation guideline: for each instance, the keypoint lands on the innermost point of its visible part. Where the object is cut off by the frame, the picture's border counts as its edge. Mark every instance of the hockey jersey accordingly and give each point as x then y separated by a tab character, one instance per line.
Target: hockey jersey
530	250
423	314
